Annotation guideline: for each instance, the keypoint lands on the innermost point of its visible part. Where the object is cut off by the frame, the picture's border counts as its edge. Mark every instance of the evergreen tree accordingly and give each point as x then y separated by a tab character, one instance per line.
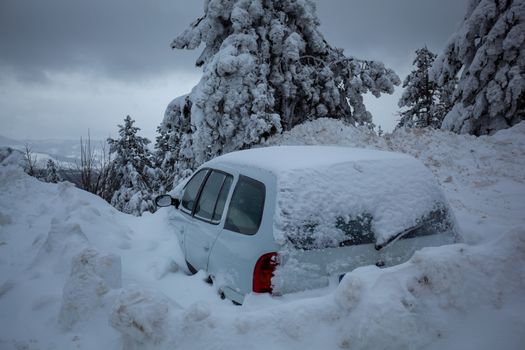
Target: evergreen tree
487	52
52	174
164	160
132	166
420	94
266	68
445	95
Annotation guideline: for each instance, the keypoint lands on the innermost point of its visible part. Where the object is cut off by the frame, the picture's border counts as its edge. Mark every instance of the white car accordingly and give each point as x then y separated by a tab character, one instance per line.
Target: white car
291	218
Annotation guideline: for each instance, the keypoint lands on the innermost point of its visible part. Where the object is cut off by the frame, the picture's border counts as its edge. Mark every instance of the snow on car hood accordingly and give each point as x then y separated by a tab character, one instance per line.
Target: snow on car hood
385	195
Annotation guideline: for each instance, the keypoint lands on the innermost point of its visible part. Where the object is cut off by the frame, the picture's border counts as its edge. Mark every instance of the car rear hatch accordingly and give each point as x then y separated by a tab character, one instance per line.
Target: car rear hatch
306	265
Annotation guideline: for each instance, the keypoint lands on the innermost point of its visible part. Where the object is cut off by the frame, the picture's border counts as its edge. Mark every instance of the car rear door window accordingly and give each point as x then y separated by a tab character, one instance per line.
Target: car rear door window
246	206
211	192
192	190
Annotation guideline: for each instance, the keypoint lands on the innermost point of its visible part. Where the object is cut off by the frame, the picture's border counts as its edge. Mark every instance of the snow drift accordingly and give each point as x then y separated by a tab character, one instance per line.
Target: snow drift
54	238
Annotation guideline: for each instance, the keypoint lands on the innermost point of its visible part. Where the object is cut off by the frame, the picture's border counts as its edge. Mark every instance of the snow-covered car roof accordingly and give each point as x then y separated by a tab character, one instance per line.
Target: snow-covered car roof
280	159
322	191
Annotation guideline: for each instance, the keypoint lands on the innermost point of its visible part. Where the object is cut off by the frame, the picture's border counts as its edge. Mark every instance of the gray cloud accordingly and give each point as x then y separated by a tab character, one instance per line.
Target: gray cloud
130	38
389	30
120	38
47	45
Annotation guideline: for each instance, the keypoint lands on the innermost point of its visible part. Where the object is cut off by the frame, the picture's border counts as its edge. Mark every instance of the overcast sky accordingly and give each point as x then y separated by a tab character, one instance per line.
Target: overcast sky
67	66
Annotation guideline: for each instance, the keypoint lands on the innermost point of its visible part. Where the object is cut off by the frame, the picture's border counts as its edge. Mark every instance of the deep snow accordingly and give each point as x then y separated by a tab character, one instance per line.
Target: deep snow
63	250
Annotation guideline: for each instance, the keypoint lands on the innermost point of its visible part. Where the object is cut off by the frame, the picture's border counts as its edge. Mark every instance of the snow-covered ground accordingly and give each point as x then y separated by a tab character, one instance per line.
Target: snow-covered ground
77	274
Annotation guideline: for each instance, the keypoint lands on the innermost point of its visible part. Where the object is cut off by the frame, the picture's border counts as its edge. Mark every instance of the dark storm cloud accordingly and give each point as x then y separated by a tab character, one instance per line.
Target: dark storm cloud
119	38
70	65
128	39
389	30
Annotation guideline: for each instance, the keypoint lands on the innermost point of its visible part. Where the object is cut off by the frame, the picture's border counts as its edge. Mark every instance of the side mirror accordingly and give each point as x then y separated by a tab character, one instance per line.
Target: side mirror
165	200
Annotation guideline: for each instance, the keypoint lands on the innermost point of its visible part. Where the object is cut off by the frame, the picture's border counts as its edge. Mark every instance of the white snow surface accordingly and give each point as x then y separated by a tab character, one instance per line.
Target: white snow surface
76	273
282	159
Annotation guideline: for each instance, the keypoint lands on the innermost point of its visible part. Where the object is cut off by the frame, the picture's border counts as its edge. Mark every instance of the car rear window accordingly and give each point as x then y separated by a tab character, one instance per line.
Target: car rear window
358	230
246	206
379	198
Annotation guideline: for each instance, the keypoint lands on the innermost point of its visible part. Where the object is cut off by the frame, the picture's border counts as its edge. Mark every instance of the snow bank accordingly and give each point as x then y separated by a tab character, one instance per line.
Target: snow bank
457	296
415	305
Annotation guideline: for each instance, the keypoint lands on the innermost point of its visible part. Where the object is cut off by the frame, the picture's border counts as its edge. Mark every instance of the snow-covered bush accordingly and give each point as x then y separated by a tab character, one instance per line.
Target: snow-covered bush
266	68
487	52
137	179
52	174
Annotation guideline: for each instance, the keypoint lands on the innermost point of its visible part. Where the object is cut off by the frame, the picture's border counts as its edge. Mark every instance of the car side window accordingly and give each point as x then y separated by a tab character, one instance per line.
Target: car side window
246	206
192	190
217	185
221	201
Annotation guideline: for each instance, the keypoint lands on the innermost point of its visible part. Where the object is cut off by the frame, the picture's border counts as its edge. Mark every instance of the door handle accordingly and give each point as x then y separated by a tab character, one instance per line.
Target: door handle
206	248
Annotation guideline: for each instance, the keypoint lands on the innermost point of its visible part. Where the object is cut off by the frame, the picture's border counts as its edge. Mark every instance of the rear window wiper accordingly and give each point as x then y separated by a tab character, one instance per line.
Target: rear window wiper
397	236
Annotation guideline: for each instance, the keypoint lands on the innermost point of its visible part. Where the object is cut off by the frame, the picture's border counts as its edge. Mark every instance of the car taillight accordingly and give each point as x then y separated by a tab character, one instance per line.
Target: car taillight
263	273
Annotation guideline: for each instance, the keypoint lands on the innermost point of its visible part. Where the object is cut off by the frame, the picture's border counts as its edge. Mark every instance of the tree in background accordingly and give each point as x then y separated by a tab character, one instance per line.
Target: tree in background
30	161
87	166
135	176
51	174
164	159
94	172
266	68
419	96
487	52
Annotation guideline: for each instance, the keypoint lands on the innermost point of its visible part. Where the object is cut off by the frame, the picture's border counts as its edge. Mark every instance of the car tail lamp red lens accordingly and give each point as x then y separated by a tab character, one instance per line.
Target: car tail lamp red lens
263	273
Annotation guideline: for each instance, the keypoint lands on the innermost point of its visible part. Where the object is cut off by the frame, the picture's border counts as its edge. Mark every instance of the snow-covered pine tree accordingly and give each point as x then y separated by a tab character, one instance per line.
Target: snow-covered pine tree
445	95
266	68
420	94
135	175
51	174
487	52
163	157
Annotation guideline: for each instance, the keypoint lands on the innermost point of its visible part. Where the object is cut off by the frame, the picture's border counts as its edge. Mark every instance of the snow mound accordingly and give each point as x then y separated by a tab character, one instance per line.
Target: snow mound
63	241
324	131
92	276
142	317
11	156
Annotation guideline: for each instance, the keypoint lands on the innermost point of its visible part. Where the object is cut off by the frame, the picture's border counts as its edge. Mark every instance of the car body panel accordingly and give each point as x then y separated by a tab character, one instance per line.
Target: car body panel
199	239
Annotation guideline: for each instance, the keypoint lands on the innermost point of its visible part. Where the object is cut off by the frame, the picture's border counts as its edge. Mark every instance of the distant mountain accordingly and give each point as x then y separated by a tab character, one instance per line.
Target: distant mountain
6	141
65	151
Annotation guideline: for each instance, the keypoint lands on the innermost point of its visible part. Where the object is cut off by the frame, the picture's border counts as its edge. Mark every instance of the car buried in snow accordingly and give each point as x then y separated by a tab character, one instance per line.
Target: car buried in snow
291	218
